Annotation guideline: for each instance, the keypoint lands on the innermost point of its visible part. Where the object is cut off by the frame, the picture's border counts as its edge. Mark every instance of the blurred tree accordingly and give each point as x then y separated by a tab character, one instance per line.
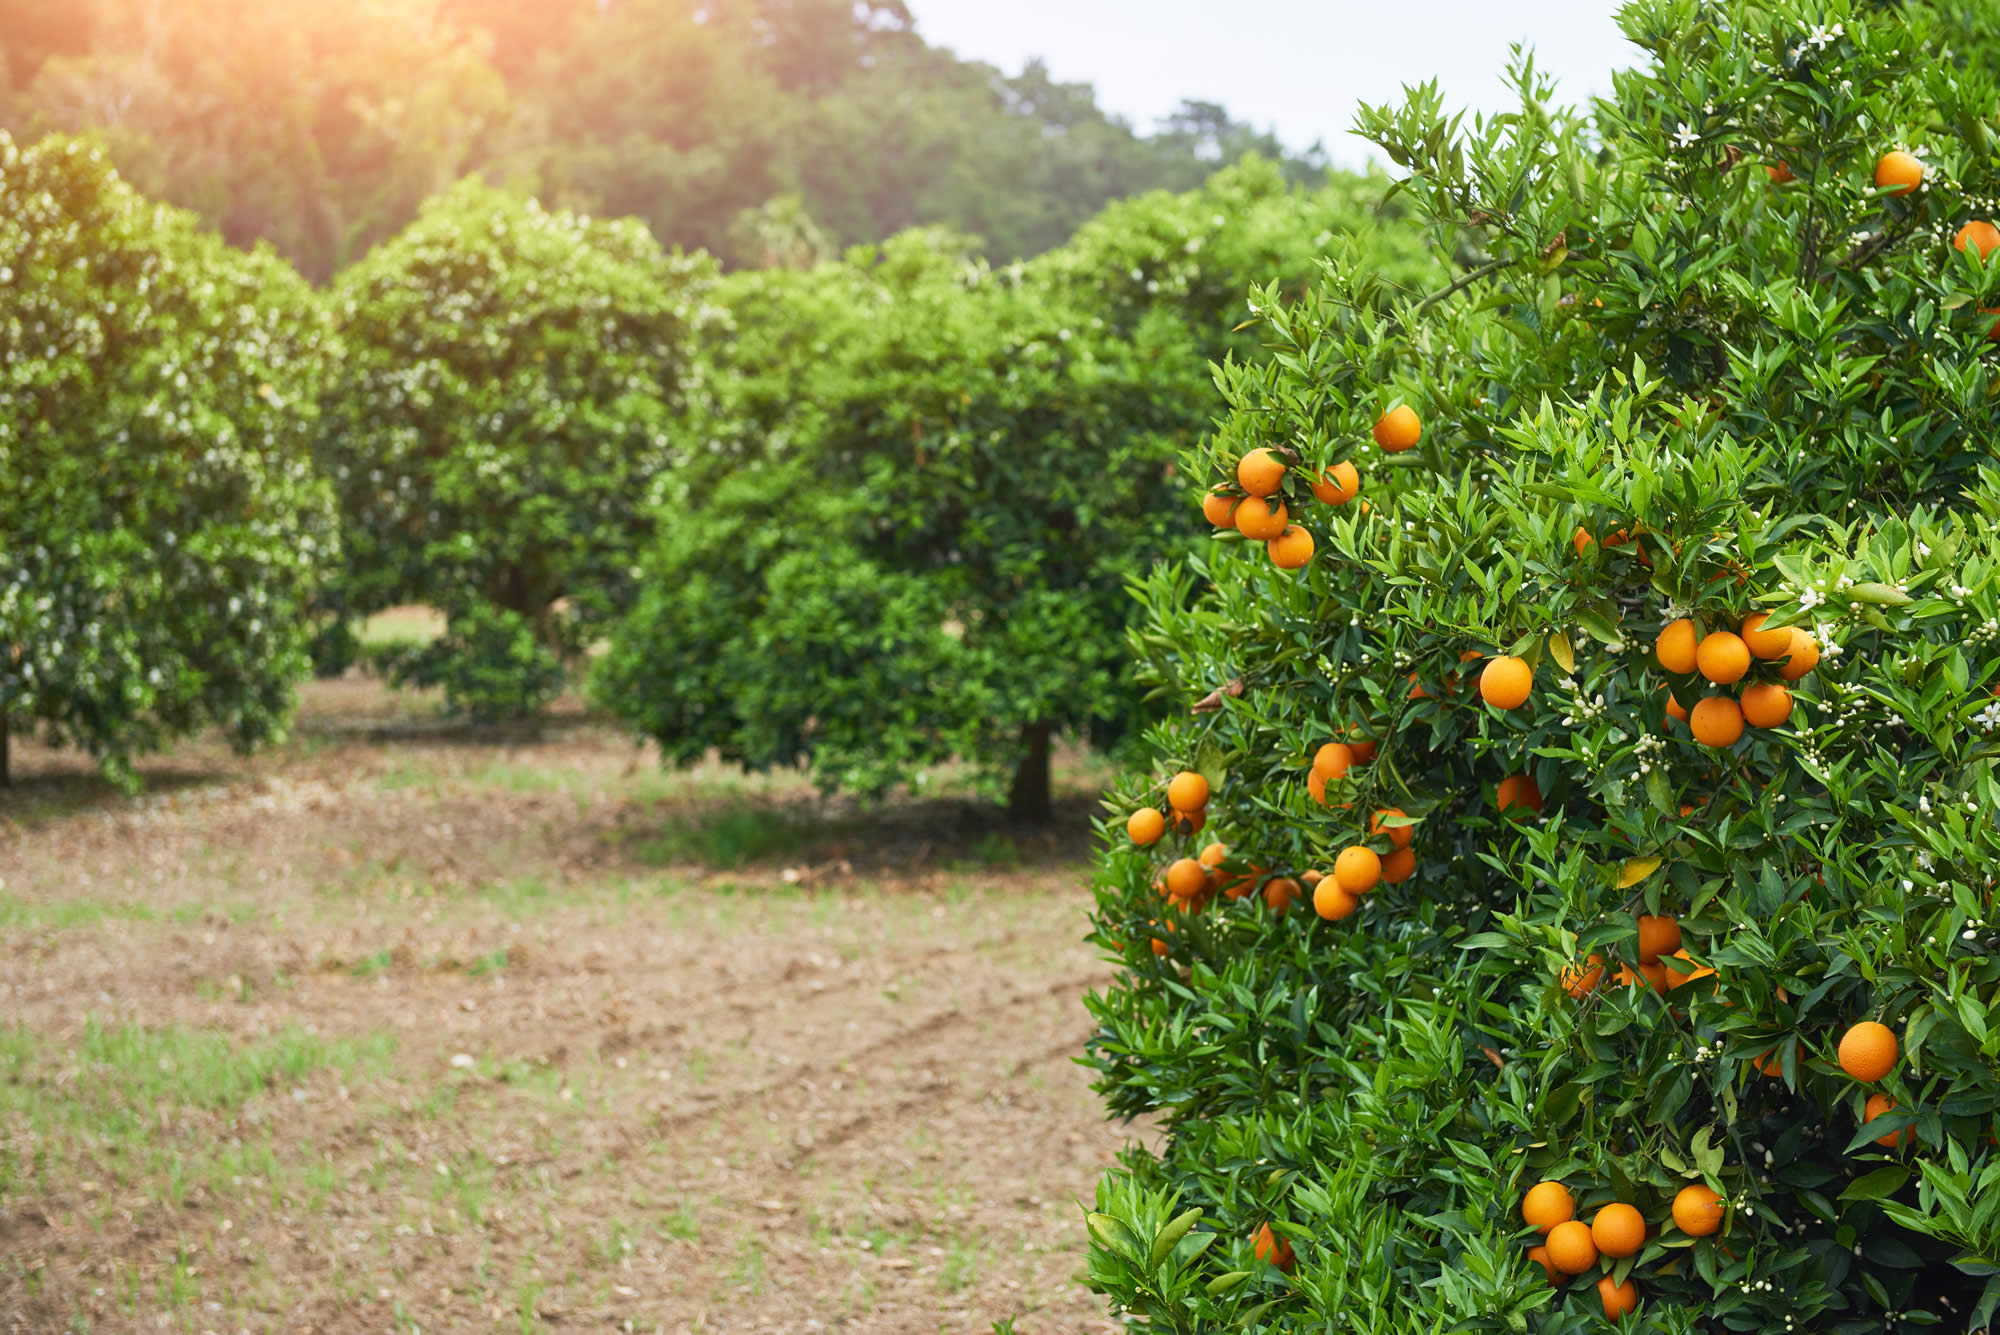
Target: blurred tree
323	127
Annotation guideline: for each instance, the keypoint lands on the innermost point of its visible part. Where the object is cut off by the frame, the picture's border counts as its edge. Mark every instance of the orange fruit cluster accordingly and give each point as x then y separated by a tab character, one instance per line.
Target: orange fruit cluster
1255	506
1724	658
1569	1247
1187	806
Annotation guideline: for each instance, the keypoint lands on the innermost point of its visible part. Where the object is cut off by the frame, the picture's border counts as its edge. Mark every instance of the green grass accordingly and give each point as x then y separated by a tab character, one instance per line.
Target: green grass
727	838
64	914
103	1100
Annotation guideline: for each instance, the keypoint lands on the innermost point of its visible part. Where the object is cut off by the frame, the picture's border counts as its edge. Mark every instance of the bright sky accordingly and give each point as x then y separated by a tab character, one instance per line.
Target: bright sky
1301	66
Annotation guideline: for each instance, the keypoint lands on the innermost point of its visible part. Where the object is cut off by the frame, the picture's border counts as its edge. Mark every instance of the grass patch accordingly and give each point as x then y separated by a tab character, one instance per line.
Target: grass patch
732	836
63	914
117	1100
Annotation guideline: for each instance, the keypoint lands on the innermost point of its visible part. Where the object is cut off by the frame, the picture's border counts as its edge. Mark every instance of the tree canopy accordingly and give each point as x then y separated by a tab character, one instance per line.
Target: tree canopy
917	487
1590	912
163	525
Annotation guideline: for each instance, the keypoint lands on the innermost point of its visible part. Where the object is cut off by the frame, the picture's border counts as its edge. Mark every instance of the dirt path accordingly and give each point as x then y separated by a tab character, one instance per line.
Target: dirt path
422	1036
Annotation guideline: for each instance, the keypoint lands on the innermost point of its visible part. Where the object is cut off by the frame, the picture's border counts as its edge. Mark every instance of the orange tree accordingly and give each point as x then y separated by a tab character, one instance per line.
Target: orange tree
1589	918
918	488
504	402
162	527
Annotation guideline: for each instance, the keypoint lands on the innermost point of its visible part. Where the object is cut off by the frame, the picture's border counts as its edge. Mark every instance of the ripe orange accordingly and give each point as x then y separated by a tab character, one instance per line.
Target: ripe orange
1653	975
1311	876
1899	169
1618	1299
1658	935
1260	472
1399	866
1332	760
1244	884
1547	1204
1417	691
1188	822
1780	174
1716	721
1580	980
1364	748
1212	856
1766	643
1186	878
1868	1051
1160	947
1540	1256
1674	709
1518	790
1188	791
1504	682
1399	835
1270	1247
1338	485
1618	1230
1280	893
1698	1211
1332	902
1571	1248
1260	519
1291	548
1398	429
1771	1063
1219	509
1686	972
1980	234
1676	645
1803	658
1357	869
1316	786
1766	704
1882	1103
1722	657
1146	825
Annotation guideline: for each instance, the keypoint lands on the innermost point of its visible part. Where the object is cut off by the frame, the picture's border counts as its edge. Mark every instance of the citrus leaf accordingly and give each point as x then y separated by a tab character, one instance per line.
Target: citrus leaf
1636	870
1560	651
1874	1186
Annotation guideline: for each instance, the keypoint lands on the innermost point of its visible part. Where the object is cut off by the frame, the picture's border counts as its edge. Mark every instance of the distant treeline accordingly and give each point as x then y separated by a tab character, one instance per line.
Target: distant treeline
765	131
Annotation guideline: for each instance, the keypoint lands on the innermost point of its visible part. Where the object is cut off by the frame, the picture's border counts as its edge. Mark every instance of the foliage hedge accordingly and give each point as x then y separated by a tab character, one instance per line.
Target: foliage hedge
163	524
509	389
1696	364
907	526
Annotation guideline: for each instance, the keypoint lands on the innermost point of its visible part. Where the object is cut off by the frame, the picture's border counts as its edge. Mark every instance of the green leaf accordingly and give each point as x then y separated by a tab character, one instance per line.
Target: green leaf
1170	1236
1878	1184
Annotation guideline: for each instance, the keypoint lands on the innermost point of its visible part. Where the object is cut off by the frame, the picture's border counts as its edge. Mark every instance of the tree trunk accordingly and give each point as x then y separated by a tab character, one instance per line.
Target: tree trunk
1028	801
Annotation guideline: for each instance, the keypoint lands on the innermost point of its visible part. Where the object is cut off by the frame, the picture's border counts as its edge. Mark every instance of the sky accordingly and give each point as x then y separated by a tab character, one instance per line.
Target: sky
1299	66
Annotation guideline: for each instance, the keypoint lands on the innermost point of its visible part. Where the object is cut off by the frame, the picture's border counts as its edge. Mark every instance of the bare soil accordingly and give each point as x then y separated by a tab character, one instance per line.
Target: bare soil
409	1028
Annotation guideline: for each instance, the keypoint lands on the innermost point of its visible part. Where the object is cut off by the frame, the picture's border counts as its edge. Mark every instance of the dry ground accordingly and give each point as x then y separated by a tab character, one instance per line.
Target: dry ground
401	1029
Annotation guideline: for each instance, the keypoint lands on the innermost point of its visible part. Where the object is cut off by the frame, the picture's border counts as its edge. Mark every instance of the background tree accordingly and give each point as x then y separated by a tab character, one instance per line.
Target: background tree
1618	879
925	484
319	128
509	381
323	127
163	526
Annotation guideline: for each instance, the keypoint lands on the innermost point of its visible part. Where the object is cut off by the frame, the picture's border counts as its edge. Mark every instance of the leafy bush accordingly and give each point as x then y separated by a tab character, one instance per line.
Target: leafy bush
1698	365
922	488
505	400
163	525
